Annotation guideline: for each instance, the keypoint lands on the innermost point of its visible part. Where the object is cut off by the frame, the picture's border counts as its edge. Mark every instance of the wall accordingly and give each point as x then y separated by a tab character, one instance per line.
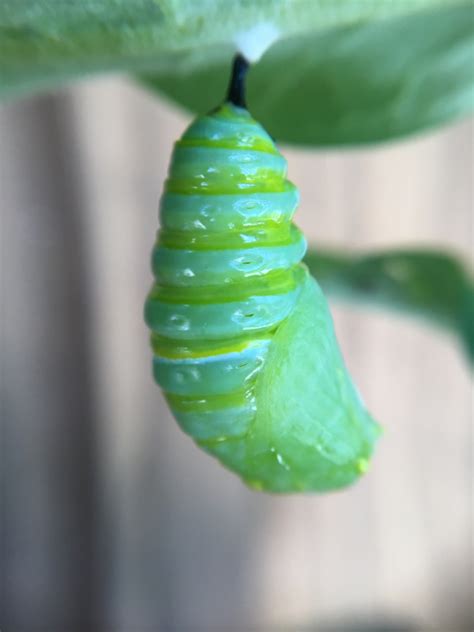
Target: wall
113	519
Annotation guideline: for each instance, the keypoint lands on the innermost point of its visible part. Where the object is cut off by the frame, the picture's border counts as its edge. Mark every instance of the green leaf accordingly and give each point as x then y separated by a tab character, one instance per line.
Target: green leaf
369	82
43	42
428	284
344	71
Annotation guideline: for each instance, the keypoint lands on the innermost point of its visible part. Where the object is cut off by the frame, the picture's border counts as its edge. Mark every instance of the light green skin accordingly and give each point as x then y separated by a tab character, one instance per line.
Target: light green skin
243	340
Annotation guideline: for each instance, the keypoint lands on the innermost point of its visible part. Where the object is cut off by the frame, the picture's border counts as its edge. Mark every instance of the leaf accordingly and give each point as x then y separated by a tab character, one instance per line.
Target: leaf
344	71
369	82
43	42
429	284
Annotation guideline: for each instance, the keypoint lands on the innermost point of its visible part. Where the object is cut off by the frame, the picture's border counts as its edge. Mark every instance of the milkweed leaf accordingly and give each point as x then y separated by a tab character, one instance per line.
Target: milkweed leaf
342	72
431	285
367	82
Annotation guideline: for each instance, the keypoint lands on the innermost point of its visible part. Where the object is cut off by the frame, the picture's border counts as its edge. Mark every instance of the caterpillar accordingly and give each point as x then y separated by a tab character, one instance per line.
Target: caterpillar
243	342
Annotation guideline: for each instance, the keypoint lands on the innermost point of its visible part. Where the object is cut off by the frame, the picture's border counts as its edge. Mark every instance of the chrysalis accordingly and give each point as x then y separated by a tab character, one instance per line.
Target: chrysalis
243	341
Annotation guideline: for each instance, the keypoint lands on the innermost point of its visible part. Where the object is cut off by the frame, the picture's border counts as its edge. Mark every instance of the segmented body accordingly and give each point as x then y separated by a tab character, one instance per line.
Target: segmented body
227	271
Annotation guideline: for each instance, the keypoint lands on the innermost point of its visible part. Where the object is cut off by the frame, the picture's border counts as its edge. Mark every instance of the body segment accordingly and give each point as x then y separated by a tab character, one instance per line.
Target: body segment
243	343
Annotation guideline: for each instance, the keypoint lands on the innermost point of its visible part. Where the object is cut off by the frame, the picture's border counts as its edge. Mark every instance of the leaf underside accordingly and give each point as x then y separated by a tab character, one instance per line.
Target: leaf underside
430	285
356	84
343	72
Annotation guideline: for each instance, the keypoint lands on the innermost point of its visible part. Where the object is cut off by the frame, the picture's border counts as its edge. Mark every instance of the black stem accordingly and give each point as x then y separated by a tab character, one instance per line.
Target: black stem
236	91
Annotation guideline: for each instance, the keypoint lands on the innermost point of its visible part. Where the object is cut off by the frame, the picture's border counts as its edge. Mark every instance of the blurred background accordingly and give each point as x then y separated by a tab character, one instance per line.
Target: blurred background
112	519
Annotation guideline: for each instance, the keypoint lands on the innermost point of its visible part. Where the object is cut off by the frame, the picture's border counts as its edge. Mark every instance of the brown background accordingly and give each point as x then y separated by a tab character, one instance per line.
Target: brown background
113	520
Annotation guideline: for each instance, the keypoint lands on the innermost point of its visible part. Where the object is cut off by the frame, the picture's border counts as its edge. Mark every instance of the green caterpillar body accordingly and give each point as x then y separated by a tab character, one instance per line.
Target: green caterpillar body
243	341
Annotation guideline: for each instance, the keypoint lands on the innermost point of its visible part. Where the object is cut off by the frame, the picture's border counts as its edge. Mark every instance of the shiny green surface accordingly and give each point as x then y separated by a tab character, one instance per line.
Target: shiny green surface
311	431
242	338
226	261
196	214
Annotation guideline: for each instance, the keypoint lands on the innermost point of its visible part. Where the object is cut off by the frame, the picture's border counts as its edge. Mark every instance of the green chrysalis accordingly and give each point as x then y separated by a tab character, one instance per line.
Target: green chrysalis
243	341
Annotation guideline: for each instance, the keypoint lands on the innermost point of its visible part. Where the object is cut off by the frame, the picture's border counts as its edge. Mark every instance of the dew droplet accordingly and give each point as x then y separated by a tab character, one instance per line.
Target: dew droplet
219	439
282	462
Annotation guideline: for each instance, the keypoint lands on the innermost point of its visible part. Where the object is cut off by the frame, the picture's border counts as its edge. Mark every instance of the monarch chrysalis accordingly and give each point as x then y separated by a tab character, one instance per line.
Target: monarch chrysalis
243	341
